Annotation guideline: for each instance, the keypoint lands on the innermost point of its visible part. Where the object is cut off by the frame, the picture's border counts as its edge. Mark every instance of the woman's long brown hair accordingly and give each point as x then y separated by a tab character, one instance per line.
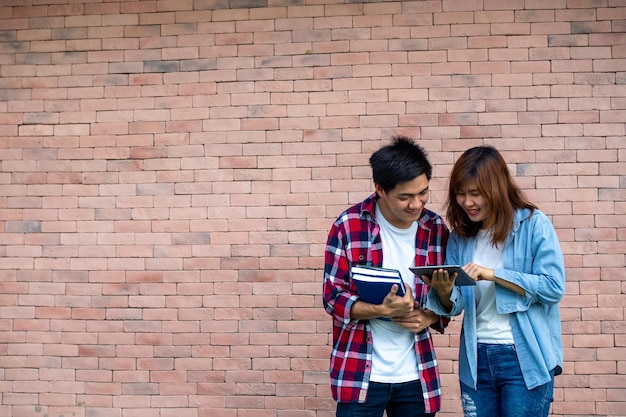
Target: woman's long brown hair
485	167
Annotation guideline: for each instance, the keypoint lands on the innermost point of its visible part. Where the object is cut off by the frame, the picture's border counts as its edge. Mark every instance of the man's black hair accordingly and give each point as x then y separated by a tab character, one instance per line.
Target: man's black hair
401	161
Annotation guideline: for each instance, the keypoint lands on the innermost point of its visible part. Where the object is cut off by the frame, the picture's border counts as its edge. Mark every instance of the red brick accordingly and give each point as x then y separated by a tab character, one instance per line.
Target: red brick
183	213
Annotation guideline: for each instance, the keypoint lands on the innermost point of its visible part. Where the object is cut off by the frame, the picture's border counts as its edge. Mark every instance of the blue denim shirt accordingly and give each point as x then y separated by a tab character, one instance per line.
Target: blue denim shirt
533	260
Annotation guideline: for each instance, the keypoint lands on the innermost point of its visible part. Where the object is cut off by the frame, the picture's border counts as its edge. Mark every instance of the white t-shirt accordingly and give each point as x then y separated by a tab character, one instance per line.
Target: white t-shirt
393	355
491	327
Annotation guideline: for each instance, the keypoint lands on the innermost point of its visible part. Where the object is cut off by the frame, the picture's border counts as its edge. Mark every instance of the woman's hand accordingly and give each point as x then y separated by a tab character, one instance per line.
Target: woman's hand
442	282
478	272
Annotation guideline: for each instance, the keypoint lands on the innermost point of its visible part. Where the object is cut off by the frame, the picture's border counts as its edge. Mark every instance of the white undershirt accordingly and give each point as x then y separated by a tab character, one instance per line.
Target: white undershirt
393	354
491	327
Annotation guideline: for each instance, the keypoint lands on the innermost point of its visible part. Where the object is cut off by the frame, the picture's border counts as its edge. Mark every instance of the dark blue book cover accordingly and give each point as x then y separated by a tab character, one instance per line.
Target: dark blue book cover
374	283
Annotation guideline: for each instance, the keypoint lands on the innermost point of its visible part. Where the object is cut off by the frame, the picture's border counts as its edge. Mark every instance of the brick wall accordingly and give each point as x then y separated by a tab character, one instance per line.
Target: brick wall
169	171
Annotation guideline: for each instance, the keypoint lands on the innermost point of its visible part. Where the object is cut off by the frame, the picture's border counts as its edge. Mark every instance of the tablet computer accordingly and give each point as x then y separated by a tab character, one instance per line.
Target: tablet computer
461	278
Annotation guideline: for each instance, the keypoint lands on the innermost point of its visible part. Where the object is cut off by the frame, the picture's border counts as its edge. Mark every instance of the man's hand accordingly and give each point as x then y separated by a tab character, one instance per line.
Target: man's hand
417	320
394	305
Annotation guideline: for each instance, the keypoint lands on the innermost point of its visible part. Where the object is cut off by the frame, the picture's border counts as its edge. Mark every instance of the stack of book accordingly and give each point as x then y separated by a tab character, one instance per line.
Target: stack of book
374	283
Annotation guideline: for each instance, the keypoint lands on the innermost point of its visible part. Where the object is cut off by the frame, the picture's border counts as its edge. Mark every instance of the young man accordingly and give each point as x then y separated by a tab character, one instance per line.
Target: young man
380	365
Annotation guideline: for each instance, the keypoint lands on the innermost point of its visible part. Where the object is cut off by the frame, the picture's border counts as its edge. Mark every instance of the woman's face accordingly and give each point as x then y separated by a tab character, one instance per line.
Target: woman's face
474	204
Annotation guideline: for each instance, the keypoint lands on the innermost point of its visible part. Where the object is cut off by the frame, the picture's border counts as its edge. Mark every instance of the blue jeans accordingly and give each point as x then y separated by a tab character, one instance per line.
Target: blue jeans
501	391
399	400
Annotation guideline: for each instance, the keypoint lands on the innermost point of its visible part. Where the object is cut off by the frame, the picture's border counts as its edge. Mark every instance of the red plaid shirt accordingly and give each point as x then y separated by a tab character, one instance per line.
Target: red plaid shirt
355	239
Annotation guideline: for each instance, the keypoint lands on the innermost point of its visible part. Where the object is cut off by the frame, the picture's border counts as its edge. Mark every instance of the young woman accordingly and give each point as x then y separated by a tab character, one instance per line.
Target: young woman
510	347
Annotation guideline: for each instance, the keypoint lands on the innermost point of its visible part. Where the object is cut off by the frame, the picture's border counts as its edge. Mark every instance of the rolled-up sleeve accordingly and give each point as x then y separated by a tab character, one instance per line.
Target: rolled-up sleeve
537	267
